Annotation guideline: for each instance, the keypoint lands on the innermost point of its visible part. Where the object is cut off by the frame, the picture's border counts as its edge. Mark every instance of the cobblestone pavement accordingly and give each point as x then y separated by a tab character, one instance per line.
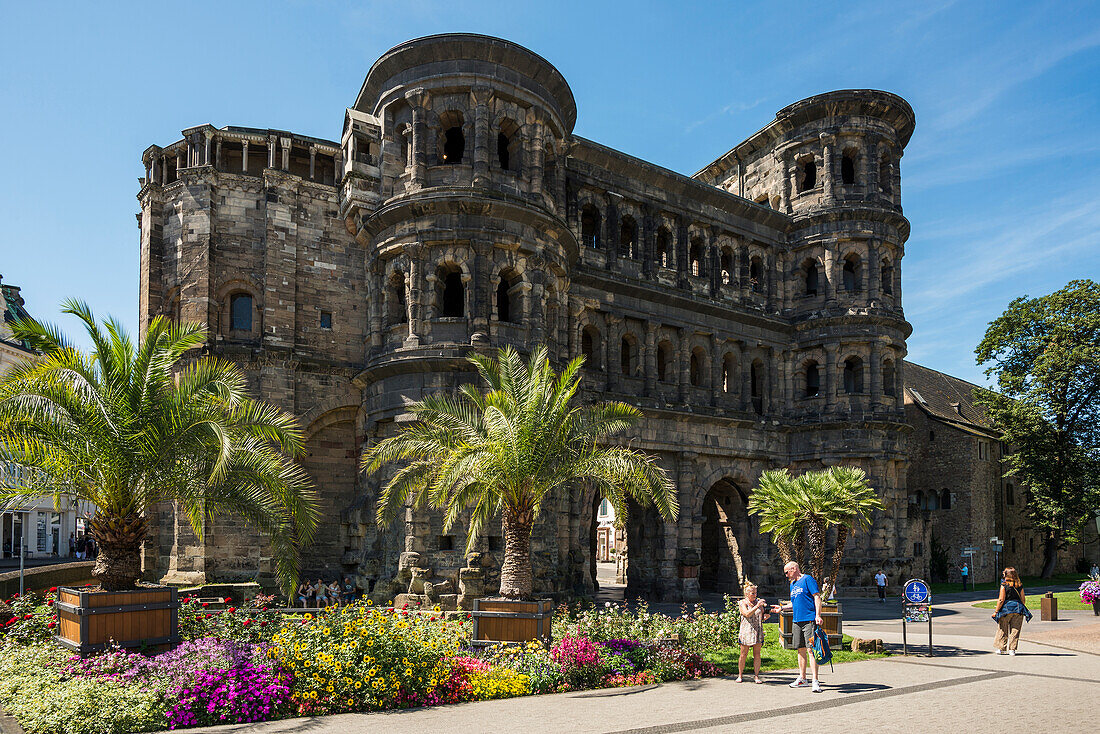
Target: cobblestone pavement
964	687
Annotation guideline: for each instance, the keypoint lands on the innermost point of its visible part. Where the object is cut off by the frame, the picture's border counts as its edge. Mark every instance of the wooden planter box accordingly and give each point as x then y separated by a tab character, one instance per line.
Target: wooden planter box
500	620
833	626
88	621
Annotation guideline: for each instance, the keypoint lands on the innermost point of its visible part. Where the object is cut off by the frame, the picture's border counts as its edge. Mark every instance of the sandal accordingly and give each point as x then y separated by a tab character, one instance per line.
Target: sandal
758	680
738	680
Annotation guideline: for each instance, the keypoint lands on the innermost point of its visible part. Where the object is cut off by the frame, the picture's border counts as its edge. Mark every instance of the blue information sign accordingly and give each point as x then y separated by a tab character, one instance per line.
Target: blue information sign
916	591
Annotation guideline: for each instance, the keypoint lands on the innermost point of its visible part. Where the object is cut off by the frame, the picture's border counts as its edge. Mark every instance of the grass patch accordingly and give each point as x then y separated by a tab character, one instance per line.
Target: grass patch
1056	580
1066	600
773	656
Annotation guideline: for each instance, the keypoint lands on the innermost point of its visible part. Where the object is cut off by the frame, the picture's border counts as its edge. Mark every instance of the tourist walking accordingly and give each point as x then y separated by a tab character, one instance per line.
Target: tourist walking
880	583
805	606
1010	612
965	573
72	545
751	634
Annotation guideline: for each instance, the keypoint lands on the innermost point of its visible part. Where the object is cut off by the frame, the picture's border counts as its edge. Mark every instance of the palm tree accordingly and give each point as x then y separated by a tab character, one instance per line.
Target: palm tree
504	451
126	427
808	506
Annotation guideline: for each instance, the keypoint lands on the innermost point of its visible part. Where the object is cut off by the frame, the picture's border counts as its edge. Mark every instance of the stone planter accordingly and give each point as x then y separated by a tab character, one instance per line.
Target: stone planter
88	621
833	626
503	620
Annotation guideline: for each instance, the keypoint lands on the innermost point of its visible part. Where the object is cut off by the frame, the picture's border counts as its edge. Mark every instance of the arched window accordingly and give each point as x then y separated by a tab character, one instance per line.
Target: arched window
396	311
698	367
756	274
756	386
454	140
507	310
628	237
664	355
590	346
848	168
452	292
932	501
590	226
240	312
885	174
813	379
945	499
888	379
809	271
664	248
851	273
508	146
727	266
727	374
809	175
628	355
697	257
853	375
886	277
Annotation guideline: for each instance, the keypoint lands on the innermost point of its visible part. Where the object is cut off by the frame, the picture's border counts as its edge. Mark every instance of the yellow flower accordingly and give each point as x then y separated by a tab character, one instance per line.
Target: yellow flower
358	684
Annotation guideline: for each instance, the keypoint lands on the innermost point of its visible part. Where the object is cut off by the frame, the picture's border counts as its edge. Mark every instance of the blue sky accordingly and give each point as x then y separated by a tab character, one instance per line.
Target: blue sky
1001	180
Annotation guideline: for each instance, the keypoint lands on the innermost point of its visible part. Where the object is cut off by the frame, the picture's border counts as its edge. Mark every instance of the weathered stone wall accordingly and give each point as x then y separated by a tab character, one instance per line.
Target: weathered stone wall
686	298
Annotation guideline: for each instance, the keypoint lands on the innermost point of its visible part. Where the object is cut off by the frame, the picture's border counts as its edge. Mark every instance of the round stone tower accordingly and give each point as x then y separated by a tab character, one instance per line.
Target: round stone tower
466	246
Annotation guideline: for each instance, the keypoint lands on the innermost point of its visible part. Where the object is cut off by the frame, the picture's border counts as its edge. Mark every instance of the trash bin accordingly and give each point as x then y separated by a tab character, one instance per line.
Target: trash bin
1049	608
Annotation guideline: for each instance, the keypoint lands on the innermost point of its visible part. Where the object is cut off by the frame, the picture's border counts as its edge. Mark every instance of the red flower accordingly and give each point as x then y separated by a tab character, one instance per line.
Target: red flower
51	624
53	588
49	602
247	622
231	610
263	624
27	616
205	604
405	606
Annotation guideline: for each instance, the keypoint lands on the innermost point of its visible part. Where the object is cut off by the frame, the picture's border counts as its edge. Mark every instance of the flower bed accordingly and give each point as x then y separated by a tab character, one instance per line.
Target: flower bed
254	664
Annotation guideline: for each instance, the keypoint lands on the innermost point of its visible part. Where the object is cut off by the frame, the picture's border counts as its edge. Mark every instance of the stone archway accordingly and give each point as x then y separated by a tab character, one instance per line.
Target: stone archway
727	539
644	551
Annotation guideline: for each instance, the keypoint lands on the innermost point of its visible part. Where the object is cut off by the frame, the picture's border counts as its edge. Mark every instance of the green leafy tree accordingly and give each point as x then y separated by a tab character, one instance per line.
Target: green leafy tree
1045	355
808	506
502	452
125	428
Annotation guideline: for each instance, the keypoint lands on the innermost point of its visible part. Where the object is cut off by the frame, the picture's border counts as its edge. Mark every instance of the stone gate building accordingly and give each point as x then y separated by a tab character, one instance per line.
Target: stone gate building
752	311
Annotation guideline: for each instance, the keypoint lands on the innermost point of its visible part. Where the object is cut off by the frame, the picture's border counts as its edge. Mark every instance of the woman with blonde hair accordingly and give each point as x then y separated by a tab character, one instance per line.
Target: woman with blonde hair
1010	612
751	633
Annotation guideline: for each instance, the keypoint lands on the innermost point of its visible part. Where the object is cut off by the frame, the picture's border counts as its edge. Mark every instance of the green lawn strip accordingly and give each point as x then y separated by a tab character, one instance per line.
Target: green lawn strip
773	656
1066	600
1056	580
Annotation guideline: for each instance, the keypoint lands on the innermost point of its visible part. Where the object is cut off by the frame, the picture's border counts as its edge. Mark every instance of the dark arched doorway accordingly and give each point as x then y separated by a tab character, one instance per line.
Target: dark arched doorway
644	551
726	541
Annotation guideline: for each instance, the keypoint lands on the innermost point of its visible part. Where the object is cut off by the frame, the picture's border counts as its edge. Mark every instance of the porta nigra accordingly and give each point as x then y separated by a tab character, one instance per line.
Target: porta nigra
752	311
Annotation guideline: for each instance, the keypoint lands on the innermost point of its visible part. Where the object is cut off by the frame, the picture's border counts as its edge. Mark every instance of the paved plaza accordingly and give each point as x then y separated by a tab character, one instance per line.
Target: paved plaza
1052	683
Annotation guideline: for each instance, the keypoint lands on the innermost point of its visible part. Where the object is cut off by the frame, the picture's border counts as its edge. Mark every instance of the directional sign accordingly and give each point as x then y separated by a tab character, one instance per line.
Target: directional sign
916	591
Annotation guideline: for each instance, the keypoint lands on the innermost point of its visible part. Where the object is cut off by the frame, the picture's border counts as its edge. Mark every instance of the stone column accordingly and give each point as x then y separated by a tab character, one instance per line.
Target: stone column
482	291
828	143
682	244
830	377
744	363
786	185
272	143
163	170
647	243
417	99
895	171
684	339
611	229
148	171
792	183
772	401
413	299
612	328
313	163
481	98
786	379
286	144
876	374
244	157
179	161
715	370
874	268
829	255
534	162
651	358
714	267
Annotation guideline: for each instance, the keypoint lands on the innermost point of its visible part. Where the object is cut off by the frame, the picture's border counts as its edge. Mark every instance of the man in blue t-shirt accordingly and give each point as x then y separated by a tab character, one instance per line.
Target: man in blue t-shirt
805	607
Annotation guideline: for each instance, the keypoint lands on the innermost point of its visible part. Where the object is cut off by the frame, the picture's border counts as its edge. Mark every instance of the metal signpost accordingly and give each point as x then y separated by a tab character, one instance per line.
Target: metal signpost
916	607
997	546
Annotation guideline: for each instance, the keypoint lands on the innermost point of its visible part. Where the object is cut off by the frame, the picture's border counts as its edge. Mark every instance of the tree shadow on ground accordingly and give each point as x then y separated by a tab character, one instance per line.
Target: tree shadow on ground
856	687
